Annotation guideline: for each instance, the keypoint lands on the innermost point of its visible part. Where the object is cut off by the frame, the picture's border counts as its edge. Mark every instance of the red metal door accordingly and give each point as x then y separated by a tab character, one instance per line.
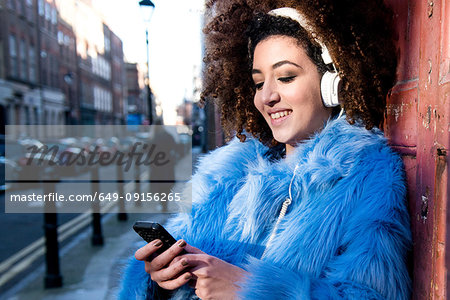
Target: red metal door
418	125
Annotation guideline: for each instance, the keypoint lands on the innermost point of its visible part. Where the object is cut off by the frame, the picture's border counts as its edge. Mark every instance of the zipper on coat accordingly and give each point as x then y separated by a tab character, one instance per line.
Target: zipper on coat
283	210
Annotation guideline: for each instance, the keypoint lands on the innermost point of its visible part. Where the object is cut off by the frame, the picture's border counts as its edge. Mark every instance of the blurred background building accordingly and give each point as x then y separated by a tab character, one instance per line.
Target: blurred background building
60	63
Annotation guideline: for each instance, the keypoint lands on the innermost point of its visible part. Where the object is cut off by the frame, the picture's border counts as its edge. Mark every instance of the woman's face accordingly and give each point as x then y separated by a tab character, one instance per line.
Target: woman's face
287	89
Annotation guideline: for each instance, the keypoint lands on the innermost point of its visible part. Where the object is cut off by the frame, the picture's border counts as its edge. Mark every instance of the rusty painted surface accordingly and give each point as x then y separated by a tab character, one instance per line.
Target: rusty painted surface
418	126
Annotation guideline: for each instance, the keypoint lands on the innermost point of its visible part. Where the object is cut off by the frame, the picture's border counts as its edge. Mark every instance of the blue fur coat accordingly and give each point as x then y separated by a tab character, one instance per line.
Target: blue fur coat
345	235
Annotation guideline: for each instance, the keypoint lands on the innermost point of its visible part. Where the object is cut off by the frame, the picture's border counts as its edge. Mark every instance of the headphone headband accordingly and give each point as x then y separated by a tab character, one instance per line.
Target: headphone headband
329	84
289	12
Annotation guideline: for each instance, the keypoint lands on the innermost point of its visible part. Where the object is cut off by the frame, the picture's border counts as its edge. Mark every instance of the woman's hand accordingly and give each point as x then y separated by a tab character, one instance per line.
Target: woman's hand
212	278
167	269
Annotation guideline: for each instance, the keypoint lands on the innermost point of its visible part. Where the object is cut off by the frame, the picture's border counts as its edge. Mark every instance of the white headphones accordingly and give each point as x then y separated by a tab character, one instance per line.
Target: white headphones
329	84
329	87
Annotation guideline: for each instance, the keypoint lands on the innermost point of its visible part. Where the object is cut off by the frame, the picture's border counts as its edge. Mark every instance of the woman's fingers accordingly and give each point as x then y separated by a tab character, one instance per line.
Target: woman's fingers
191	249
167	256
194	260
170	272
192	283
175	283
144	252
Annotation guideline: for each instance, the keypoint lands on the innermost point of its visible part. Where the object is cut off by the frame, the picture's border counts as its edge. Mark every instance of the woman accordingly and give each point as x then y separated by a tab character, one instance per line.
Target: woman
305	202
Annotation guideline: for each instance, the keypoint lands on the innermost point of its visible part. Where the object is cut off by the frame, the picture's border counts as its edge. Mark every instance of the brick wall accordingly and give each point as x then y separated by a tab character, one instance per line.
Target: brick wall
418	125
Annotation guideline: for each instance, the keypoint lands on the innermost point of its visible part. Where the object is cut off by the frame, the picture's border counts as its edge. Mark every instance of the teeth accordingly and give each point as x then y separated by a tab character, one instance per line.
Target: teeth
280	114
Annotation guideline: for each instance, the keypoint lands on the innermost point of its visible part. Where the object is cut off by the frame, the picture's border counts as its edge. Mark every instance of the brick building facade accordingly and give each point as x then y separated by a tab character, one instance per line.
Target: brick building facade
59	64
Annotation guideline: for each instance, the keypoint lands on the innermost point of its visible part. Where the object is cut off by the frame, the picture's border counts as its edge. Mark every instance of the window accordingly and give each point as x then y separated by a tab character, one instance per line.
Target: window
48	13
36	116
109	99
41	8
44	66
54	16
20	8
29	10
14	68
32	65
60	37
27	116
11	4
107	44
87	93
23	60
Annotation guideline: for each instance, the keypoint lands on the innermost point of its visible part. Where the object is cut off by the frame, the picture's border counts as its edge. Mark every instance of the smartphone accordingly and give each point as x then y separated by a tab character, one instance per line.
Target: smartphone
150	231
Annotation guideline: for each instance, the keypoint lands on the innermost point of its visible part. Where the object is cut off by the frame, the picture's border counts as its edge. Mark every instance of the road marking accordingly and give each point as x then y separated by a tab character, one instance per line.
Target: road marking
26	262
38	243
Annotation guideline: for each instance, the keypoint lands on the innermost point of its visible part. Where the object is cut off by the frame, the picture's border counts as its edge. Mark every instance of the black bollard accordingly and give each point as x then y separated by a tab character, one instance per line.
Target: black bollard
53	278
97	236
122	215
137	183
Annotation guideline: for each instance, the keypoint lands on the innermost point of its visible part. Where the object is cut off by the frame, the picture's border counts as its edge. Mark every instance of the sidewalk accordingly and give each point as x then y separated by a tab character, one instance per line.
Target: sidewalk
89	272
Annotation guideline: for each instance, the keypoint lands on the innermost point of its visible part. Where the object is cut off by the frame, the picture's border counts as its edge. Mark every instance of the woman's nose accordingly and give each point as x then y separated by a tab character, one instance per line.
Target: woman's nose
270	94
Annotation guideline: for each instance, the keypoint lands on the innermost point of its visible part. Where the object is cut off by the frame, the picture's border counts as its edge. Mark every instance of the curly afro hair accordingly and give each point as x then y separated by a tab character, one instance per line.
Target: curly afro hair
358	35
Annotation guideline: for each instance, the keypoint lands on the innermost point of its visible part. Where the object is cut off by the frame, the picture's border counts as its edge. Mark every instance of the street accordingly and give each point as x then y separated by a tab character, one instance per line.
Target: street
20	230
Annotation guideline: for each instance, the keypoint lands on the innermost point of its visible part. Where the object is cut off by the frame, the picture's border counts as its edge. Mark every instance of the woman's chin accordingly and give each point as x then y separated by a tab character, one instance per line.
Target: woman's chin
281	139
288	140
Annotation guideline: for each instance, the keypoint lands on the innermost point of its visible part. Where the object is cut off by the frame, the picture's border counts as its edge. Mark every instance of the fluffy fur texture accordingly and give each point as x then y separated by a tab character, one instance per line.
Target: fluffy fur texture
345	235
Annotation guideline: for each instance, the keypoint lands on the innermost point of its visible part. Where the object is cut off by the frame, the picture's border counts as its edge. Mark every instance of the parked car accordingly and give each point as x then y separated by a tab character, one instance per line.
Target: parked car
2	145
11	169
42	163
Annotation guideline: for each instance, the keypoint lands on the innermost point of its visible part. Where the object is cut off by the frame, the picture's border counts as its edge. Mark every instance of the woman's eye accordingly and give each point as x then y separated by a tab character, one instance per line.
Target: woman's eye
287	79
259	85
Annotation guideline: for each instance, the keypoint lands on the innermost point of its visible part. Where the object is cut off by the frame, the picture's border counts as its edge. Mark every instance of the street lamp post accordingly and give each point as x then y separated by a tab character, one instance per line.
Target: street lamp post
69	80
147	7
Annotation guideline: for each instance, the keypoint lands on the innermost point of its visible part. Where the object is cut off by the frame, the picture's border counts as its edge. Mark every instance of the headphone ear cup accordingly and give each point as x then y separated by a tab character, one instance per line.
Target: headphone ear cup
329	86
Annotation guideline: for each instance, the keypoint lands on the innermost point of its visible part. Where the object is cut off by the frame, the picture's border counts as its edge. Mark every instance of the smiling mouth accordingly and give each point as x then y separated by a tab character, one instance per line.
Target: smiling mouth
280	114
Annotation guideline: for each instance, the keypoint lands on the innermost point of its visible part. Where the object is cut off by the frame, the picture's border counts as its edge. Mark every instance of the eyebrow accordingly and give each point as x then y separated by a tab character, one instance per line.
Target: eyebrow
277	65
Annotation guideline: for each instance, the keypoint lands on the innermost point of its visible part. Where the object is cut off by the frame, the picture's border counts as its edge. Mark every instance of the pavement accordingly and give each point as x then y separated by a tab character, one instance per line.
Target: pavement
89	272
